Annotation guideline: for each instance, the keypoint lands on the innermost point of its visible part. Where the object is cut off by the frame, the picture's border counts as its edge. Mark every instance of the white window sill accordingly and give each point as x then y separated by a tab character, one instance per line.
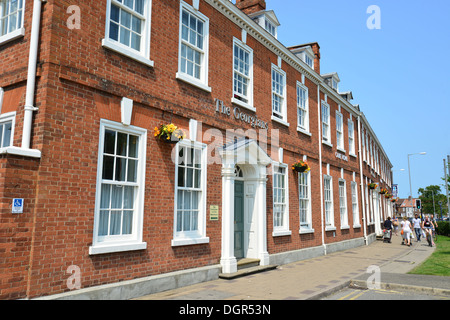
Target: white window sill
340	149
346	227
304	131
243	104
126	52
305	231
281	121
12	36
327	143
188	242
192	81
32	153
356	226
329	228
111	248
281	233
352	155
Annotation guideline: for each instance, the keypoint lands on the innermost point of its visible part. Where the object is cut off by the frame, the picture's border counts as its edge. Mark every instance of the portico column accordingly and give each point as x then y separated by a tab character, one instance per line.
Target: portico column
260	200
377	211
228	260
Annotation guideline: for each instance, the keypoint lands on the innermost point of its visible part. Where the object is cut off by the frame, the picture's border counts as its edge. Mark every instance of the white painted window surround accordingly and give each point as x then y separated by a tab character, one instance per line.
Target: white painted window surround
119	200
11	20
128	29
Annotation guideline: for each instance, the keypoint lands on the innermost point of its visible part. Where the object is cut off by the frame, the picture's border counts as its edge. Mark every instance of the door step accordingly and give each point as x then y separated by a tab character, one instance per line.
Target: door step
247	263
247	267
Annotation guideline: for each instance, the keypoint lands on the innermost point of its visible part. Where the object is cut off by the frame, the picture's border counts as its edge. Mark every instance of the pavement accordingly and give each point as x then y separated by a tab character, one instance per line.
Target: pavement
382	264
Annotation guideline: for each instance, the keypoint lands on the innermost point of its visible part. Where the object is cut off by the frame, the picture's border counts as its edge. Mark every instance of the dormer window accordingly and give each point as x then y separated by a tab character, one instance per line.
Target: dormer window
267	20
332	79
306	54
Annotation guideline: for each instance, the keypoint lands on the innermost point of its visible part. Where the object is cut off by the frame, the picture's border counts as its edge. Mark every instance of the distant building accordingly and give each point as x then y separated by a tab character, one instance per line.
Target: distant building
407	207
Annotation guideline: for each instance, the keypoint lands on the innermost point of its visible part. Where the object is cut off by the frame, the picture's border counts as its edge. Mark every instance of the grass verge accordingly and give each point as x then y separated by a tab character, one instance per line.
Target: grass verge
438	264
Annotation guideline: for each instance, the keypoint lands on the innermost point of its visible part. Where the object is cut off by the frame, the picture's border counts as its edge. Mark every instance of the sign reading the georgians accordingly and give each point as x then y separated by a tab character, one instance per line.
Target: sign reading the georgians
239	115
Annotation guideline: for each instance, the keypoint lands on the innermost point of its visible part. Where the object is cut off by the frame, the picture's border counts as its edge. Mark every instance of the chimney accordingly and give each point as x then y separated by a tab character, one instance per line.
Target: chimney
251	6
316	49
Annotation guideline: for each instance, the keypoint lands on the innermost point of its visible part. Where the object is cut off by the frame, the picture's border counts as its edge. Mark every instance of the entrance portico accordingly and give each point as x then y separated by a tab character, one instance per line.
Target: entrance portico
244	162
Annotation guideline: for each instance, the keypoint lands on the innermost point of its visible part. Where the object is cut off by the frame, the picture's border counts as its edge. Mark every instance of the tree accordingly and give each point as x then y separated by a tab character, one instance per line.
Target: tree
428	207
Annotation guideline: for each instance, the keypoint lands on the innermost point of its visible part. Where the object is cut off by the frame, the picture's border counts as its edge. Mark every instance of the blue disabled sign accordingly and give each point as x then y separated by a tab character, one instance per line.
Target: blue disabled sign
17	206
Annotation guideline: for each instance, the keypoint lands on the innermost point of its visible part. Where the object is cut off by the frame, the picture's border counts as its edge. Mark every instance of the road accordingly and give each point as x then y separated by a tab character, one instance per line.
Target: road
382	294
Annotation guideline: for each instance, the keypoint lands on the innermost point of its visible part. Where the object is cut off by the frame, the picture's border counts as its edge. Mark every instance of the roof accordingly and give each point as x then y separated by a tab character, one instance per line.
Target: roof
408	203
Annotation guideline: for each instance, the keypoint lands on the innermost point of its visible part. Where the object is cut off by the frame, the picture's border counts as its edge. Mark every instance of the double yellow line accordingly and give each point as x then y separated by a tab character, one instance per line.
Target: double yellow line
353	295
356	294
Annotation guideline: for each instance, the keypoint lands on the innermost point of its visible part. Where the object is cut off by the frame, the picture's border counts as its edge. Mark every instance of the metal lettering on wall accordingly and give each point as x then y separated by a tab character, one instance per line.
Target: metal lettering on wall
239	115
341	156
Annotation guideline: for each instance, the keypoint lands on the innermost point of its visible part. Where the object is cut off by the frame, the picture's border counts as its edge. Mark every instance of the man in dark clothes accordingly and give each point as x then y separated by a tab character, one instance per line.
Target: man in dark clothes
388	226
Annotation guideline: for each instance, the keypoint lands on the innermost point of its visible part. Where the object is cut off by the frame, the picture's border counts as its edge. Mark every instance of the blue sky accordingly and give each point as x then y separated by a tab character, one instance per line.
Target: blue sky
399	74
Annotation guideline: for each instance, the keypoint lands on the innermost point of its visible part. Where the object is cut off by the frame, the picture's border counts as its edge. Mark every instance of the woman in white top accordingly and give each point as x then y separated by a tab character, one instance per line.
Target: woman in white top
406	228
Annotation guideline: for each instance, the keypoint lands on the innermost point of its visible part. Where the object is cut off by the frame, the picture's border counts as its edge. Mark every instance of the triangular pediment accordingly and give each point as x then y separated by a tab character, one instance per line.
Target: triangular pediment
245	151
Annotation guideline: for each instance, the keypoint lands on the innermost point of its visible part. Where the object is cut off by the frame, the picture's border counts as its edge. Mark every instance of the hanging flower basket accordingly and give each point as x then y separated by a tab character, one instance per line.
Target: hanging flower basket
383	191
388	195
169	133
394	200
301	166
372	186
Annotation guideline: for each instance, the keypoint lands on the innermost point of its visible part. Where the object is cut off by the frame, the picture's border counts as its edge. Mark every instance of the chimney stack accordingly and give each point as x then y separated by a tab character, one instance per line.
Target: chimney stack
251	6
316	49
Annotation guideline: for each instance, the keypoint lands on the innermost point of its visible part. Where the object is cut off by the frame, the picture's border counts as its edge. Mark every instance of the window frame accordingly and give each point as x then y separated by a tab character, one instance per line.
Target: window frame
17	33
142	56
182	238
303	127
249	104
201	83
108	244
280	116
282	229
343	207
306	225
326	134
340	131
355	205
329	213
311	58
5	118
351	138
270	27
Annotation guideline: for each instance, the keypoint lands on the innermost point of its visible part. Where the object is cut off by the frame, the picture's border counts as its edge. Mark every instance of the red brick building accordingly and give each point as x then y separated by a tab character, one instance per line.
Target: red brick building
105	201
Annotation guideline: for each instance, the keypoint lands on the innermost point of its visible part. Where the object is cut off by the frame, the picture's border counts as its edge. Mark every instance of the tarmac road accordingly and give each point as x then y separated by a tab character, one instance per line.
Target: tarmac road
383	294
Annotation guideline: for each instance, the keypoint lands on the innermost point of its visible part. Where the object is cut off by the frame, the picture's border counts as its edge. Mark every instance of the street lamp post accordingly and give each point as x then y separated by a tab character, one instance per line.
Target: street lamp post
434	206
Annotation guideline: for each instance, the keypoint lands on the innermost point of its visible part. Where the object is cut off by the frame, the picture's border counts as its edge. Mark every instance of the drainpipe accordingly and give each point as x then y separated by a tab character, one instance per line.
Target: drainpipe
31	78
361	175
319	112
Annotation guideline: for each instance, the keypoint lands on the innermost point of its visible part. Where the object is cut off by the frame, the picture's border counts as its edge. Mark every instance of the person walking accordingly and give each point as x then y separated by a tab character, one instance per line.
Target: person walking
427	225
417	226
406	231
388	226
395	223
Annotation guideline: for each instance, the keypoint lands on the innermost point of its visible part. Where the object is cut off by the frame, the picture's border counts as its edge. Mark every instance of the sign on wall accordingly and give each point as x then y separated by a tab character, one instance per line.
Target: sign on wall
214	213
17	206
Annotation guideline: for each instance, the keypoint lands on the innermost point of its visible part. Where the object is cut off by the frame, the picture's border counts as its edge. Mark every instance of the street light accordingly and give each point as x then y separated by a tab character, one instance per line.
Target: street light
409	170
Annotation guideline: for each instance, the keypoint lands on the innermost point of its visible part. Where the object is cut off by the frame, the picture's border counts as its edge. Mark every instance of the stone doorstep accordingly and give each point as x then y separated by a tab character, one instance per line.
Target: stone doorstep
247	267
